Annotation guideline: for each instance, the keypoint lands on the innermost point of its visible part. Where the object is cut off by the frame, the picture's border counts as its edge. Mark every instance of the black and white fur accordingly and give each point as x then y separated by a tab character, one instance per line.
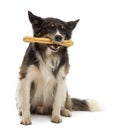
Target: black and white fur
42	88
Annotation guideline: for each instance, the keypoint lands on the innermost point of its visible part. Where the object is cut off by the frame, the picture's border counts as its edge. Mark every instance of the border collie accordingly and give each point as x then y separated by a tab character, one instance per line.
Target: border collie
42	88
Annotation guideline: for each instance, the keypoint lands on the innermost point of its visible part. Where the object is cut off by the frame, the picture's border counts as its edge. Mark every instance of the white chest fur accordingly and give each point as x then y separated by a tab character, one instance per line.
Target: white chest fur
45	81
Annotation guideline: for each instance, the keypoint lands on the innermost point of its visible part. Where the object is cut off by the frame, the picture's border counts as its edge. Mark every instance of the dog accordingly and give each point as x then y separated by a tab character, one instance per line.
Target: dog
42	83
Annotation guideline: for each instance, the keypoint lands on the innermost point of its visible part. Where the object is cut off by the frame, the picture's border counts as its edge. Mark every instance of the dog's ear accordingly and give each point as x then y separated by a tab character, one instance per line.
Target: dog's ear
35	20
72	24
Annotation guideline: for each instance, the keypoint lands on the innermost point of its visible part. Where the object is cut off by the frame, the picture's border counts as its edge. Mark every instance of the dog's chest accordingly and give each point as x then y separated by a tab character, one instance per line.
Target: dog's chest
48	67
45	81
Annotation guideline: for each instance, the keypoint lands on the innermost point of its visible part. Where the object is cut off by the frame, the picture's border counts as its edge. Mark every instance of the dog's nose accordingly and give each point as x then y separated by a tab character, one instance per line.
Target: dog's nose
58	38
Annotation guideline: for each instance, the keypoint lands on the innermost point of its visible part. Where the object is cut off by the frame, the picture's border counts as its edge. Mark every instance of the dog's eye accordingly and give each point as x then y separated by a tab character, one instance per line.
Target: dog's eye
52	27
62	28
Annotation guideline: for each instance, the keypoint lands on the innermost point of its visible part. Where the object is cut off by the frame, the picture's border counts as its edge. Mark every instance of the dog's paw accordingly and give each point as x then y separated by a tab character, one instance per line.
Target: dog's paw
56	119
26	121
66	113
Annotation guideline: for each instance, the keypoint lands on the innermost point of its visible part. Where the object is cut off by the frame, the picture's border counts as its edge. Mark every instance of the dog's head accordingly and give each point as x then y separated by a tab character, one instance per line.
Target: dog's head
55	29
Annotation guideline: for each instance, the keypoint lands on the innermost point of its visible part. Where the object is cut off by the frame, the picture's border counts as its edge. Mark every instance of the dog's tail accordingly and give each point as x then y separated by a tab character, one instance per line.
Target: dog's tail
84	105
75	104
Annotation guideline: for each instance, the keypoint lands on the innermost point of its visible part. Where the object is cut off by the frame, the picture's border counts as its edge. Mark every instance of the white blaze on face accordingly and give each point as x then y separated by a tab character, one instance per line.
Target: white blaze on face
59	34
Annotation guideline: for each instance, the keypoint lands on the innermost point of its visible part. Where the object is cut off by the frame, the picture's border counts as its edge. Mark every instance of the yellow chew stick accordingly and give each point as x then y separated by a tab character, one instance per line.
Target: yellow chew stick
66	43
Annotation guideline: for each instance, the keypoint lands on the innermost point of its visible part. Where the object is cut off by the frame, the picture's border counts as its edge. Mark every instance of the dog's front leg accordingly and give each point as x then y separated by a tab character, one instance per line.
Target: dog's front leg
58	102
25	97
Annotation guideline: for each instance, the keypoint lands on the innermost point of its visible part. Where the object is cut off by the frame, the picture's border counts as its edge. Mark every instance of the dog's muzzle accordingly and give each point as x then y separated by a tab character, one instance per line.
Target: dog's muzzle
57	40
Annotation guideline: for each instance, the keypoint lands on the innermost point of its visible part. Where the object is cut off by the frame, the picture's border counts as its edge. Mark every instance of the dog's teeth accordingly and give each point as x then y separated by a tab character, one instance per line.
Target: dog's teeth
54	47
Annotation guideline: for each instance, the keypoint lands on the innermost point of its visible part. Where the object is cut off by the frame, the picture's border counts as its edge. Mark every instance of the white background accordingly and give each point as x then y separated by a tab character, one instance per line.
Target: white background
93	59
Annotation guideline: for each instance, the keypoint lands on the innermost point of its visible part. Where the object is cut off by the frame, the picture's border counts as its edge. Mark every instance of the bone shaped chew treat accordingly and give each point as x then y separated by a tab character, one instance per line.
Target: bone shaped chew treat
42	40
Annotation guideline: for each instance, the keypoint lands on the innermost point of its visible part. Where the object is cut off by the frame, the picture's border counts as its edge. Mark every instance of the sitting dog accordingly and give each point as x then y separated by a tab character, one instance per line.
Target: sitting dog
42	88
